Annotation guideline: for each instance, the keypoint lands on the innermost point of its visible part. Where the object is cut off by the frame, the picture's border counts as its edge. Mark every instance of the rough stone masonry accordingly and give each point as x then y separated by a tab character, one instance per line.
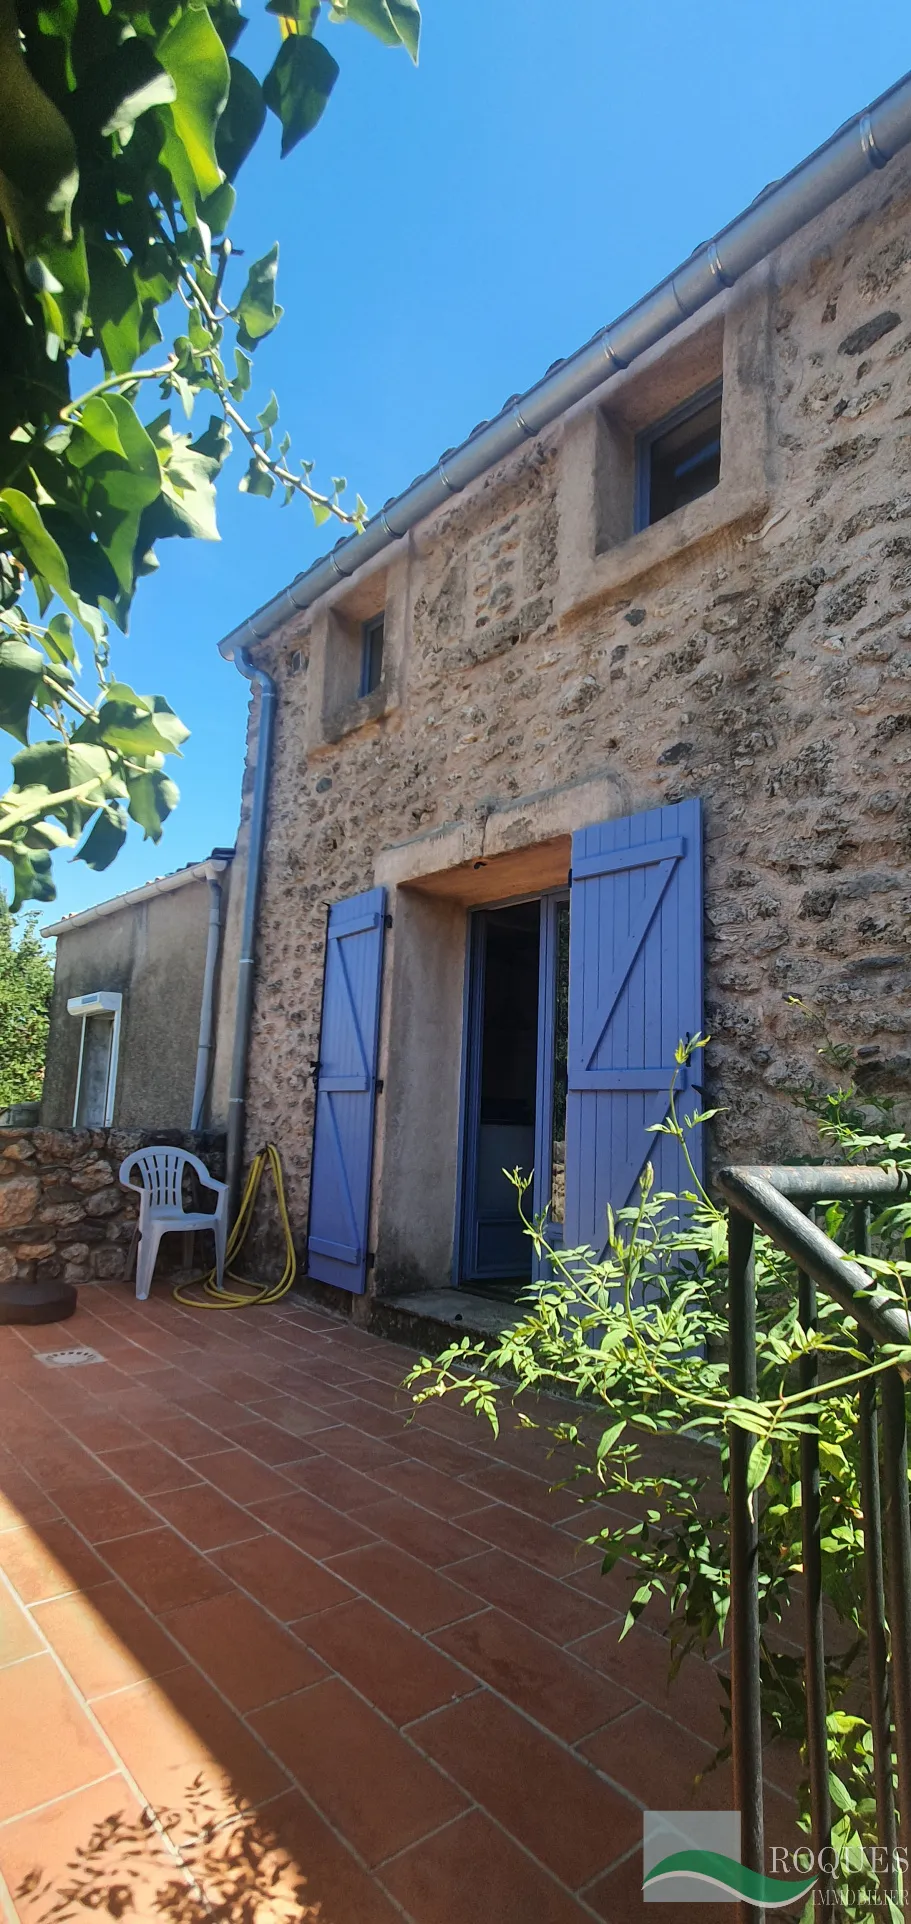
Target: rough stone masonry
756	655
63	1213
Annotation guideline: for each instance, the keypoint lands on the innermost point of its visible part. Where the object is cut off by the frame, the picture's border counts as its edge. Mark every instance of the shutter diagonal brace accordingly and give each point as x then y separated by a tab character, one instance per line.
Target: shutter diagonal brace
591	1042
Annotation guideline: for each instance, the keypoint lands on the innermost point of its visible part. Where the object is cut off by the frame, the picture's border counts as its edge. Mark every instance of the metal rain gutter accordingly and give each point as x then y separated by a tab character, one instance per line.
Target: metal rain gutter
863	144
163	885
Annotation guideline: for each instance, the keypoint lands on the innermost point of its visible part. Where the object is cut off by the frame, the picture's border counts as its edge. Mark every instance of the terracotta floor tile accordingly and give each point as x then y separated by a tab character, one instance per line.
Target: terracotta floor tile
169	1733
659	1762
538	1600
60	1459
184	1436
312	1525
148	1469
289	1414
106	1640
208	1519
393	1668
248	1657
404	1587
49	1735
86	1846
163	1571
543	1796
286	1581
336	1483
361	1452
48	1560
103	1508
554	1688
286	1856
618	1899
368	1419
441	1453
243	1476
641	1663
101	1432
425	1536
470	1873
373	1787
23	1501
525	1536
17	1633
270	1444
433	1490
217	1412
527	1492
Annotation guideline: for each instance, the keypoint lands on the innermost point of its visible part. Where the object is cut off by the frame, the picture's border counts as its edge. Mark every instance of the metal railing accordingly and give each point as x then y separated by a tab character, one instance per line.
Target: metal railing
775	1200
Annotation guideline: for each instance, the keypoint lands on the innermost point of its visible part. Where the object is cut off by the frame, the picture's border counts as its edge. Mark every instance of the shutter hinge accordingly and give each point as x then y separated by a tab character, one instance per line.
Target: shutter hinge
378	1085
387	921
569	879
371	1259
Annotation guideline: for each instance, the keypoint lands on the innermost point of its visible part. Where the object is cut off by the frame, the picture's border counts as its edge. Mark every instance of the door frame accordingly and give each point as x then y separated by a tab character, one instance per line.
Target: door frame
470	1082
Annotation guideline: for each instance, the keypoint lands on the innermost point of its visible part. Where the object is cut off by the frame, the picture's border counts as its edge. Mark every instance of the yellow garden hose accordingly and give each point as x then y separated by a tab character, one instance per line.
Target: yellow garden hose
246	1293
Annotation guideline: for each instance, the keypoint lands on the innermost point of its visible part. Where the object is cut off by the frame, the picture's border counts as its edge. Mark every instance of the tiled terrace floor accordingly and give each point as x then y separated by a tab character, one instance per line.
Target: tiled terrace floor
359	1672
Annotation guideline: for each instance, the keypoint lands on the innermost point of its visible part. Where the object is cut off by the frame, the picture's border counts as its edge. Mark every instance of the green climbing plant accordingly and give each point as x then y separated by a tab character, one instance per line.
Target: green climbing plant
123	126
637	1339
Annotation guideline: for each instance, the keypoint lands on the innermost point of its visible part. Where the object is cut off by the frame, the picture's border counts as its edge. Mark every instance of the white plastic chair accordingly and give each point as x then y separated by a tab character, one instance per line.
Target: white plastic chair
161	1210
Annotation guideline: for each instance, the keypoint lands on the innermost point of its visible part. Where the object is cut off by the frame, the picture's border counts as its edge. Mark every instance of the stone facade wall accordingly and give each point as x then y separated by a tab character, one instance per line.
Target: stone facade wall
62	1210
755	654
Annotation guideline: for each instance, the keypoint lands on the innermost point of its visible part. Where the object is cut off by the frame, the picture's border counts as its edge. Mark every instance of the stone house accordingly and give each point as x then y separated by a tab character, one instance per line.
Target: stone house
134	1016
610	747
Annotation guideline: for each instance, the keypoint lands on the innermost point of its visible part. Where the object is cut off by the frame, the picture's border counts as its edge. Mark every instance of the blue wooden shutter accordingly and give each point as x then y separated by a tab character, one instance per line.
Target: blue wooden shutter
346	1092
635	991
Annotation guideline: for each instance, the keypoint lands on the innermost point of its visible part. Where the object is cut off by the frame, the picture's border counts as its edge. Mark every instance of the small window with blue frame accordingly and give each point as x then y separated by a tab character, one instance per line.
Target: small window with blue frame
679	459
372	636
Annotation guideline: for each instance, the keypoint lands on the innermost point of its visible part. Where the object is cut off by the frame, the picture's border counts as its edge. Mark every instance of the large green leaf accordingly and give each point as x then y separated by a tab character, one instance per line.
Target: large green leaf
21	671
242	121
54	769
257	312
395	22
121	484
40	550
116	308
407	17
153	796
193	55
105	839
298	85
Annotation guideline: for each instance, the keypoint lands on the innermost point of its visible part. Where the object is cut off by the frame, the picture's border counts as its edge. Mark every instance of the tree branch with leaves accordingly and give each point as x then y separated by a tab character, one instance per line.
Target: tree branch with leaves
123	125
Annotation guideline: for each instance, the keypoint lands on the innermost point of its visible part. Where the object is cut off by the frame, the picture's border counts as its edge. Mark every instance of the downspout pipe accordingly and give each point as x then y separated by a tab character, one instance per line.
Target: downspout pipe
863	144
207	1004
237	1099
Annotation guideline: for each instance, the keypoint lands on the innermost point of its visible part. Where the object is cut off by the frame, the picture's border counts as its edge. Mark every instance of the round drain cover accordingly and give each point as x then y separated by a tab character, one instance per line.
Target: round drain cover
36	1302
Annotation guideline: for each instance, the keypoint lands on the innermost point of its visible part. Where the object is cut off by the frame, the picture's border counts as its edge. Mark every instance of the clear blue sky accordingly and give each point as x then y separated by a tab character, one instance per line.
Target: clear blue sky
446	234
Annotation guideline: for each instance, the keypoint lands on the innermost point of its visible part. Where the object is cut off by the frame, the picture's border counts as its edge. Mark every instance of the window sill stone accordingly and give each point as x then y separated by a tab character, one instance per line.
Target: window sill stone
686	531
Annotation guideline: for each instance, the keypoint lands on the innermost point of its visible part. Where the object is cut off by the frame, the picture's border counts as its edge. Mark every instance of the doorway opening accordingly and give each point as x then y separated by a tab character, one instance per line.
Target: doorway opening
515	1112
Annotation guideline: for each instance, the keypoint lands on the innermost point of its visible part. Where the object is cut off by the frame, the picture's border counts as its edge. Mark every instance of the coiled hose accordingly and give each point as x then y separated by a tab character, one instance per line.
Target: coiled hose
246	1293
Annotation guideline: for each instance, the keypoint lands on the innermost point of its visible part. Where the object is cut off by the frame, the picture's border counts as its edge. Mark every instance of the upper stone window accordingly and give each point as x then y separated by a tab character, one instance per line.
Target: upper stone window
372	638
679	458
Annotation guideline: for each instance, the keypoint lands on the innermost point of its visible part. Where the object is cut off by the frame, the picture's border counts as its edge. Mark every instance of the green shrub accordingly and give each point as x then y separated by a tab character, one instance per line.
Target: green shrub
638	1339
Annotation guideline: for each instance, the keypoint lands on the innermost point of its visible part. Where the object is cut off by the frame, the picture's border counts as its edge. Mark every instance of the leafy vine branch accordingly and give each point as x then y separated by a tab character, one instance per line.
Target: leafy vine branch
122	133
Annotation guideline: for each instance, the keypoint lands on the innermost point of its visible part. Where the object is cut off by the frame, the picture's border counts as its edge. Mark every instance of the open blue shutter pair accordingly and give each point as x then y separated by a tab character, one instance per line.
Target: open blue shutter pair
635	991
346	1092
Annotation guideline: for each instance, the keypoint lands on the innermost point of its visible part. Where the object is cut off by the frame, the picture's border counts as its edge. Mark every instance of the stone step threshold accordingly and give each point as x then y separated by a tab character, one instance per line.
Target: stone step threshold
433	1316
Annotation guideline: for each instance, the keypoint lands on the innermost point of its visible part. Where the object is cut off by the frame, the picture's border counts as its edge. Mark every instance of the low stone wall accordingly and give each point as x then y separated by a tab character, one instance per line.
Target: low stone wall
63	1212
